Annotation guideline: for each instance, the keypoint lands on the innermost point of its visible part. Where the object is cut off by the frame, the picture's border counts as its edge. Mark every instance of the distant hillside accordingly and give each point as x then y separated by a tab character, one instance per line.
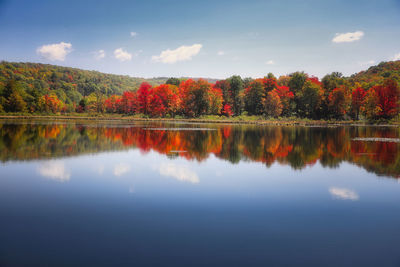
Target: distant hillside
70	83
376	74
45	76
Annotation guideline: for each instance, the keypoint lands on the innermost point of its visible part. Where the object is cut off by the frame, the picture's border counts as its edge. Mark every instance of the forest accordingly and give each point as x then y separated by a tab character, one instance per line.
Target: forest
36	88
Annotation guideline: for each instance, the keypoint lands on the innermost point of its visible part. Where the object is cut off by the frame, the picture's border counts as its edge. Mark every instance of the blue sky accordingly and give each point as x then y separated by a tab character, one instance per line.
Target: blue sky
202	38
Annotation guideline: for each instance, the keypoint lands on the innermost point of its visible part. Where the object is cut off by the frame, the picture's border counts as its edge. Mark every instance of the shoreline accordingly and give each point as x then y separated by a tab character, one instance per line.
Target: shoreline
231	120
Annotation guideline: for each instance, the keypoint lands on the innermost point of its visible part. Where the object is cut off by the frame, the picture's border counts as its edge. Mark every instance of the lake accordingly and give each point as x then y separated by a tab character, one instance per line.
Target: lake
179	194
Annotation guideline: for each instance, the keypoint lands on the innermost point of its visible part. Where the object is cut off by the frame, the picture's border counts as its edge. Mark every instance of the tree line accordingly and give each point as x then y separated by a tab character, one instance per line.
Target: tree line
373	95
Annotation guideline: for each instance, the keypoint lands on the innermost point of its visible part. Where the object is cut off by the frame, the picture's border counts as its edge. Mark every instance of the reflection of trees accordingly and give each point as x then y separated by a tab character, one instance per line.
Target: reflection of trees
294	146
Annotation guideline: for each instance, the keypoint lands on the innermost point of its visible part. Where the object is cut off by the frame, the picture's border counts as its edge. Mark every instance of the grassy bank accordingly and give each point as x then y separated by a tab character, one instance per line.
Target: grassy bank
244	119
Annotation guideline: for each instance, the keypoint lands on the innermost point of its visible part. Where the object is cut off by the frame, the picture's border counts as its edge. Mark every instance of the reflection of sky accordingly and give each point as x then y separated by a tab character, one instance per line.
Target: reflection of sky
126	205
214	177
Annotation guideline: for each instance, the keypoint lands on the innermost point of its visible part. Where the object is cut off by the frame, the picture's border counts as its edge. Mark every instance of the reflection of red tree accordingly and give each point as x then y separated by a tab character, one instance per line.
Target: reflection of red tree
267	146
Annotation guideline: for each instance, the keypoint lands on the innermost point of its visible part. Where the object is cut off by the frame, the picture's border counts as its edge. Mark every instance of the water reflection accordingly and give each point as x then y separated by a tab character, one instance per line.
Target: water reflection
343	193
54	170
180	173
369	147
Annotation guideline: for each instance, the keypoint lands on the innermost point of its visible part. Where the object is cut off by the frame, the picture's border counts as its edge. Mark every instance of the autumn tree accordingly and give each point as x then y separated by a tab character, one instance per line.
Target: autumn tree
388	97
285	96
337	102
357	98
273	105
156	106
370	107
168	95
50	104
127	102
227	111
195	99
112	104
215	100
225	87
270	83
142	98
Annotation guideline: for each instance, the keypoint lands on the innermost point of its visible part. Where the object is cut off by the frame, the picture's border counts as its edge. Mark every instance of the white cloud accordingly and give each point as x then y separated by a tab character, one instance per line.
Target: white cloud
133	34
180	173
54	170
99	54
348	37
55	51
396	57
121	169
122	55
343	193
270	62
221	53
182	53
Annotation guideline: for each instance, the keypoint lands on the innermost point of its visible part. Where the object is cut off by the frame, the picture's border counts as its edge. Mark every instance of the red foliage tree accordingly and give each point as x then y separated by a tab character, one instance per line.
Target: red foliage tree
285	96
337	102
314	80
168	96
269	84
388	97
128	102
156	107
227	110
112	104
357	98
143	99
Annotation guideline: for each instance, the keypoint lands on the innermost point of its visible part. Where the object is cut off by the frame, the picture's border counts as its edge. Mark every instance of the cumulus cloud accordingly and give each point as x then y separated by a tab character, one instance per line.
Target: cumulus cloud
55	52
343	193
54	170
221	53
270	62
99	54
122	55
348	37
121	169
133	34
180	173
182	53
396	57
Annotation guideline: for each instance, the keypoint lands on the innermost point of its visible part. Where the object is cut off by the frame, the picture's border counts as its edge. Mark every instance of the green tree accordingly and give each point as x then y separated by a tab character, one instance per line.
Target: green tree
16	103
254	98
173	81
236	84
309	99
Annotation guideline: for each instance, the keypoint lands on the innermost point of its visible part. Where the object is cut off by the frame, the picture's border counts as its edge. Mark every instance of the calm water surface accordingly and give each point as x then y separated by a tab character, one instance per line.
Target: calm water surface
80	193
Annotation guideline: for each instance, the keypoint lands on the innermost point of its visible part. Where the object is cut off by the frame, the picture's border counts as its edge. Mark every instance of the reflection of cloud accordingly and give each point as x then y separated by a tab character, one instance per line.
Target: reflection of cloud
54	170
343	193
180	173
121	169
